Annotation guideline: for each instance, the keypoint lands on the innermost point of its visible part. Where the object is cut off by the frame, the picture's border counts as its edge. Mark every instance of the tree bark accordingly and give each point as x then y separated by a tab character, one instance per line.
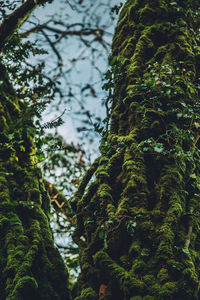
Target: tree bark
30	265
138	221
13	21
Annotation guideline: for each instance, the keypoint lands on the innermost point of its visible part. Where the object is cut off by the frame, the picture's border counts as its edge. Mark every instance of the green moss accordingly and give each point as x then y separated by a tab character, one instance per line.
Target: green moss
135	248
149	279
139	266
30	268
87	293
164	250
124	262
34	195
163	275
110	210
190	271
103	160
168	289
147	14
126	282
85	262
4	190
123	206
147	226
148	157
167	233
155	289
175	210
3	124
101	173
24	287
128	165
3	222
104	192
44	198
134	106
128	156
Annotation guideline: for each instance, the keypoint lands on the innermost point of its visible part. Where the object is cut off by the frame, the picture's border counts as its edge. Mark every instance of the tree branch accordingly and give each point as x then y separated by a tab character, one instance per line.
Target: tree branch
56	196
84	31
53	48
13	21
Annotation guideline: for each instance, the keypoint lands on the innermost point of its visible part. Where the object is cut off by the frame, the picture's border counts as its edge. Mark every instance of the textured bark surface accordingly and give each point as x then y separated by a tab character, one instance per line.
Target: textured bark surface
30	266
138	221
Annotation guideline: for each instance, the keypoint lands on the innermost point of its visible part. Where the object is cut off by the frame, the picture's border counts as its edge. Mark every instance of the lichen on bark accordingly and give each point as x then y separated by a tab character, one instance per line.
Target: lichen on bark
138	222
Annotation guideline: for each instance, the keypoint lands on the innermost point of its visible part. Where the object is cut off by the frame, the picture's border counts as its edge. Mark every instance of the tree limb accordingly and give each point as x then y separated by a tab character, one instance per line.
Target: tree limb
53	48
84	31
13	21
56	196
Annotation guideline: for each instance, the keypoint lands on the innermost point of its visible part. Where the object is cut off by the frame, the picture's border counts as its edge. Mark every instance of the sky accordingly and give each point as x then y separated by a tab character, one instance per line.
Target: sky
82	65
78	66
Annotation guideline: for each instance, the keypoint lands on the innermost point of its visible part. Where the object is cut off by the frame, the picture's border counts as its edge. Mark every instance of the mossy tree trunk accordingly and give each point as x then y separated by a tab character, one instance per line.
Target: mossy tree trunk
30	265
138	221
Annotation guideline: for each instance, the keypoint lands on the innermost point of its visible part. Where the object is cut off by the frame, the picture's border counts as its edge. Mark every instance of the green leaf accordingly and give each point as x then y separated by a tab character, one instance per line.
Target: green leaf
193	176
134	224
22	148
101	234
168	92
90	221
179	115
192	91
37	122
144	254
9	173
11	136
158	148
131	227
108	74
186	251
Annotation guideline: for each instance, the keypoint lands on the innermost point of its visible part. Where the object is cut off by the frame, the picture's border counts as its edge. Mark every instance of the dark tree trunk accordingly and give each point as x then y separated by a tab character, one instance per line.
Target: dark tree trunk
30	266
138	222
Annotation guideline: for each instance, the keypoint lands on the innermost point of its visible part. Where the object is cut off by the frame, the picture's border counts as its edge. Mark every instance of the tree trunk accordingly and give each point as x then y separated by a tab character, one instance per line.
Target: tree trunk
138	222
30	266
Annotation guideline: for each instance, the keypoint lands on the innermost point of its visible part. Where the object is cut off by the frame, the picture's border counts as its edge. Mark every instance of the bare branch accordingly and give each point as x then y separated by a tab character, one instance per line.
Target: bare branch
82	32
53	48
